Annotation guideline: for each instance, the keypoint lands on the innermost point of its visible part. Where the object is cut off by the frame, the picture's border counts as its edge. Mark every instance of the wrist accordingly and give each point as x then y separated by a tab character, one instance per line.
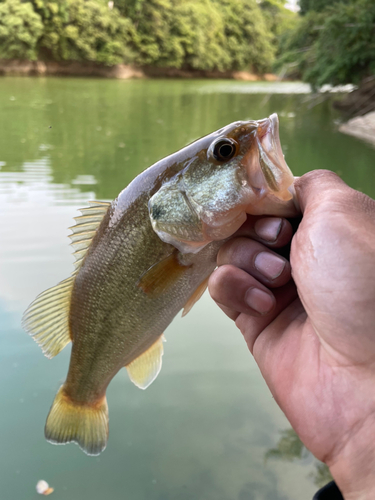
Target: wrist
354	466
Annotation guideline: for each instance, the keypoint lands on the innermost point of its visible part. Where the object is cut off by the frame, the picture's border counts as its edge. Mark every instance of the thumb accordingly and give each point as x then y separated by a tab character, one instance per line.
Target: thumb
319	186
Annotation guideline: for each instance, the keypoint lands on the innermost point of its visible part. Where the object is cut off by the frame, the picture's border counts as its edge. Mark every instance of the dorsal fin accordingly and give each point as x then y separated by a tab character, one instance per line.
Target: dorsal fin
85	229
144	369
47	318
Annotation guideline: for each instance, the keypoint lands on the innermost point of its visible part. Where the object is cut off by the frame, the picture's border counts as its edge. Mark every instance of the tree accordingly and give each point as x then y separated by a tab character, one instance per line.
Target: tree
317	5
247	39
344	51
83	31
334	46
200	34
20	30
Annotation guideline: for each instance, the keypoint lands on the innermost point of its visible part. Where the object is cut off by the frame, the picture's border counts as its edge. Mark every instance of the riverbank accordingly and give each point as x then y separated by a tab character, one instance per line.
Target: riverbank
359	107
362	127
10	67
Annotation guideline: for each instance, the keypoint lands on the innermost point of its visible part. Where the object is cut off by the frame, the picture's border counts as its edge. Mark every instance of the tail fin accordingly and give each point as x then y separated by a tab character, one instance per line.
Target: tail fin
84	424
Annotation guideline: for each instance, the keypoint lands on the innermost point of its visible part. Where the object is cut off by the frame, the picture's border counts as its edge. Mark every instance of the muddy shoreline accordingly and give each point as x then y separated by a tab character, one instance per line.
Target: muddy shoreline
119	71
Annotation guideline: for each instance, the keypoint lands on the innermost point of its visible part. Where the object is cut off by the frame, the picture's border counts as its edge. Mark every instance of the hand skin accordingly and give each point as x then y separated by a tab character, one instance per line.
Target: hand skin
316	345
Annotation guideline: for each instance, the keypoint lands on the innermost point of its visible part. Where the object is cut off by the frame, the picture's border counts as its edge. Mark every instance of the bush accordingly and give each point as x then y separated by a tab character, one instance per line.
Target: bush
20	30
84	31
334	46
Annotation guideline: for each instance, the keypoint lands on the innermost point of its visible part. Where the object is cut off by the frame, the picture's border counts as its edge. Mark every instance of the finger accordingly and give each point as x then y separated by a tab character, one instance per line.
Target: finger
251	256
239	292
274	232
251	327
231	313
317	186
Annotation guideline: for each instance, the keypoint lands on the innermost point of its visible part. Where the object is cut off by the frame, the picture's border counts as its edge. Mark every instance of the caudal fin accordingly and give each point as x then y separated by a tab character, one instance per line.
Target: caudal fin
84	424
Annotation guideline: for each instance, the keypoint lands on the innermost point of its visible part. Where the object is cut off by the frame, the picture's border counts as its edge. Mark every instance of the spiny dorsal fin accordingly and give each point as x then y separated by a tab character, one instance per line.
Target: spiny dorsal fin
47	318
144	369
85	229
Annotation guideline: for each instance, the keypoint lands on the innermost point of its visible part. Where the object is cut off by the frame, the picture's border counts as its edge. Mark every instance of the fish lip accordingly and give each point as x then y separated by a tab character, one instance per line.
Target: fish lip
269	129
277	175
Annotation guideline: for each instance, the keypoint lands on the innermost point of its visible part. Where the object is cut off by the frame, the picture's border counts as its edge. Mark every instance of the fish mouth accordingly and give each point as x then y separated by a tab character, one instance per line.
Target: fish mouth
271	159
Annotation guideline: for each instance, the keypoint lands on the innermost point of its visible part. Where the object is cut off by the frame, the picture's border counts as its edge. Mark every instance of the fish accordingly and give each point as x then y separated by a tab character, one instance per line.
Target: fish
144	257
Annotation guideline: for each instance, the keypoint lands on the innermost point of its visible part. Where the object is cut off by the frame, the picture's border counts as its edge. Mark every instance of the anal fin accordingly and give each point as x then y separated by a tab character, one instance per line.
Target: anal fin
197	294
144	369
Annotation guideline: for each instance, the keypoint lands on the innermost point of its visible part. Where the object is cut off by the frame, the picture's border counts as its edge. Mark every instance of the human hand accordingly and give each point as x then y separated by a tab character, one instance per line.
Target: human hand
315	349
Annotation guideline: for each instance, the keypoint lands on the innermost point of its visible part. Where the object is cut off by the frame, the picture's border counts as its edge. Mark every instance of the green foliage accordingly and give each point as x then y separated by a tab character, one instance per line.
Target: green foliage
190	34
279	19
344	51
317	5
200	34
296	45
83	30
154	40
334	46
200	30
248	41
20	29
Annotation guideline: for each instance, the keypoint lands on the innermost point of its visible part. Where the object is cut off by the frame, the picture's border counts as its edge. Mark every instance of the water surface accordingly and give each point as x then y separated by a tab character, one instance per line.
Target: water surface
203	429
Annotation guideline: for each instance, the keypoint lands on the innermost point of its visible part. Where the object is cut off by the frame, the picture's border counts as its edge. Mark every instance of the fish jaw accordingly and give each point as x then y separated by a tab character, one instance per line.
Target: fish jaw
268	174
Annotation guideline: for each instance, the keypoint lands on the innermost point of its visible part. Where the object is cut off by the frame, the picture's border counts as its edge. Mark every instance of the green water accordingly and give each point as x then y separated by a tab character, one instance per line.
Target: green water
203	429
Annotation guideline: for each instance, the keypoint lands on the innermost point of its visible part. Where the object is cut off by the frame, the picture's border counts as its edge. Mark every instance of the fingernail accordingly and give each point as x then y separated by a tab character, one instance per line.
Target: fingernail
258	300
268	229
270	265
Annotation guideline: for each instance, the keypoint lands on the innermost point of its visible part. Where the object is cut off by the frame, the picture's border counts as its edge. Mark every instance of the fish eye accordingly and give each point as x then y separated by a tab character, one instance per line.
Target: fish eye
224	149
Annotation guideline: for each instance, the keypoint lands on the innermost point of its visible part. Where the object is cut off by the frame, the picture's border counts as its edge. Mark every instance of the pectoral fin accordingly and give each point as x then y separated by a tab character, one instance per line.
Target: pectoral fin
144	369
195	296
162	276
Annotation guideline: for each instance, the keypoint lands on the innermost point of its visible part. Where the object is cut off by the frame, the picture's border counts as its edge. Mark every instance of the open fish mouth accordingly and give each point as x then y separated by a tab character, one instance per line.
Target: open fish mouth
271	159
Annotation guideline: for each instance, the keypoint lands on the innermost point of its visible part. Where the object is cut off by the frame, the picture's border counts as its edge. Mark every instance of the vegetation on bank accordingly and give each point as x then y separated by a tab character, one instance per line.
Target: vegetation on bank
190	34
327	42
332	42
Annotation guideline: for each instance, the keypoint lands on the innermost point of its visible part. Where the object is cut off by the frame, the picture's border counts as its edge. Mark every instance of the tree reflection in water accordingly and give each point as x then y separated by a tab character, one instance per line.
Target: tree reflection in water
290	448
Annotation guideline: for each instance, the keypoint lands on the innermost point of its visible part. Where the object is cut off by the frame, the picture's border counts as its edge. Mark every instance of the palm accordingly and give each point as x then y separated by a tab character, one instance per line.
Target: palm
312	392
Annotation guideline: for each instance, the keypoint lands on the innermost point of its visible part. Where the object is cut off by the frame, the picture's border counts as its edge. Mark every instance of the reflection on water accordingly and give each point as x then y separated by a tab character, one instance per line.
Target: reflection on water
290	448
203	428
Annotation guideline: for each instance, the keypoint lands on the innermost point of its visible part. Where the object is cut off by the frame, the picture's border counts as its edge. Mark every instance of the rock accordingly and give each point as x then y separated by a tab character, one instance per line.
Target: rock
362	127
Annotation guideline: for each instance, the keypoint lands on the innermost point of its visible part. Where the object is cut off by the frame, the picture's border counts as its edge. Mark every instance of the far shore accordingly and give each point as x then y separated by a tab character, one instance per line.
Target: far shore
11	67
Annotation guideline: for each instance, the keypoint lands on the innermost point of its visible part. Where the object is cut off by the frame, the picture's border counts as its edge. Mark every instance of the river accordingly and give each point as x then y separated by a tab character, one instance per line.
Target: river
205	427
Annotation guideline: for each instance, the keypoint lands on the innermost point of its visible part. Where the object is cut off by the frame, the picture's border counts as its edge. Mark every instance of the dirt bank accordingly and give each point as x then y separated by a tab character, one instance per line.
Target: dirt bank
120	71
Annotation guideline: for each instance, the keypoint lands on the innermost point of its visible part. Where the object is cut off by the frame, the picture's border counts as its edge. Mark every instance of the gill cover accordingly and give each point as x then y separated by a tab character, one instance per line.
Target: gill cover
240	171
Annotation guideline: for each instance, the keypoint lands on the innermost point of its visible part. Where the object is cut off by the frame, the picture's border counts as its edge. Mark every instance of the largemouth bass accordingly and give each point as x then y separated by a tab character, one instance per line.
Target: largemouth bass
144	257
